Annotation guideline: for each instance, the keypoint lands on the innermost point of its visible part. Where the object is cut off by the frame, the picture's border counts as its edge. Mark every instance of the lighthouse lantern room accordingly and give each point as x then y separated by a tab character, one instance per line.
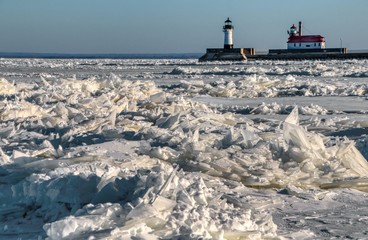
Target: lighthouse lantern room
298	41
228	31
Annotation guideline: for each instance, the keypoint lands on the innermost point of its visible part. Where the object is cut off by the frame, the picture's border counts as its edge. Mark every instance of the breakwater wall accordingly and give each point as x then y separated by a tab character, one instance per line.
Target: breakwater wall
309	56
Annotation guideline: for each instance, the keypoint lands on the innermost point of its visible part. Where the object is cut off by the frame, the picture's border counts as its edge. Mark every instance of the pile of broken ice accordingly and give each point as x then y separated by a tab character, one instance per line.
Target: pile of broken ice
264	86
185	157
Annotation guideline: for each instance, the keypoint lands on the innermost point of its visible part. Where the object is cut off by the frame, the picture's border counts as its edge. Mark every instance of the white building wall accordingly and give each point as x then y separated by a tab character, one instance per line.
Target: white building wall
306	45
228	37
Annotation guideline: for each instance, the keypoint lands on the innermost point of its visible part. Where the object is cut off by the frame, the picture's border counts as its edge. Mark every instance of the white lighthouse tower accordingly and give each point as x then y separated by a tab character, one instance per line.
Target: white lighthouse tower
228	30
228	52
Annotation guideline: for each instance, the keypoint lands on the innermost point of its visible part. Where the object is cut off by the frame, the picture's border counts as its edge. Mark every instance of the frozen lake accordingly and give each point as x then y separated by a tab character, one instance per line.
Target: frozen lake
176	149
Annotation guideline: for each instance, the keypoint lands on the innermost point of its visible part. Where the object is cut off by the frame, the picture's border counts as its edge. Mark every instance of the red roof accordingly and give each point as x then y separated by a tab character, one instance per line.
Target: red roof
307	38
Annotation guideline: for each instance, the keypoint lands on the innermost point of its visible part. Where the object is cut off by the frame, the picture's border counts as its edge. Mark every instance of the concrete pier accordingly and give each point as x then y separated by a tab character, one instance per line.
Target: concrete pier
222	54
303	51
309	56
243	54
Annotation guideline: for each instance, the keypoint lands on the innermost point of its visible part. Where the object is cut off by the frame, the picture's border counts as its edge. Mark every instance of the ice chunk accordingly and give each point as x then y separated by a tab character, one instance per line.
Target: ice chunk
22	110
4	159
162	204
351	158
228	139
143	210
7	132
164	153
109	193
6	88
293	117
168	122
159	97
44	82
297	136
249	138
64	228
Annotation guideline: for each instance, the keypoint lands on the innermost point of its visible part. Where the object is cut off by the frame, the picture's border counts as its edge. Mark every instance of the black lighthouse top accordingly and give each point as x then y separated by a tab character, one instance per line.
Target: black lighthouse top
228	24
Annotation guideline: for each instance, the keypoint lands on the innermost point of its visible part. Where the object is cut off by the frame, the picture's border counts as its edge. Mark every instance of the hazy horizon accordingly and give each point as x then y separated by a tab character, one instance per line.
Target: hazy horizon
166	27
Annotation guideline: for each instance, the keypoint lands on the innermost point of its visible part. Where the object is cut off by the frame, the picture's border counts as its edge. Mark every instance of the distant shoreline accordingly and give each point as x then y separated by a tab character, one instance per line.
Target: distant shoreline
99	56
118	55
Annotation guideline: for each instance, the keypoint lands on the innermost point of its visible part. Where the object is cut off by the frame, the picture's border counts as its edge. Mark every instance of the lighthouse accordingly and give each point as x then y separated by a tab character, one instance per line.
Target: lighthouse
228	52
293	32
228	31
299	41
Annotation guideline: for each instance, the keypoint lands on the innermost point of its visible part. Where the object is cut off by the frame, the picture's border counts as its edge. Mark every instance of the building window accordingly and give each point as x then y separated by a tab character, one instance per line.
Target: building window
315	44
294	44
307	45
300	44
319	44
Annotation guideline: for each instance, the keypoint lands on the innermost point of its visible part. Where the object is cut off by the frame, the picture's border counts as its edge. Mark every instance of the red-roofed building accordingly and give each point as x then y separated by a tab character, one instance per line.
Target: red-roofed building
298	41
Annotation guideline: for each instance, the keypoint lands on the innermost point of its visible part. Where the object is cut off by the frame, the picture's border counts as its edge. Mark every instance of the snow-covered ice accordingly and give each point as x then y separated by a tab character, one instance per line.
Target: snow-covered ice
176	149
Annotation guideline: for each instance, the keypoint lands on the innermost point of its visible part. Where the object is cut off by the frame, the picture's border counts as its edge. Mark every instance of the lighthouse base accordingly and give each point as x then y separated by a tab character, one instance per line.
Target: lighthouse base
222	54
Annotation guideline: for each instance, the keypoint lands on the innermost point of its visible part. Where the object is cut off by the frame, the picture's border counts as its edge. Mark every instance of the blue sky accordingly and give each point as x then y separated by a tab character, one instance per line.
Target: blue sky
173	26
